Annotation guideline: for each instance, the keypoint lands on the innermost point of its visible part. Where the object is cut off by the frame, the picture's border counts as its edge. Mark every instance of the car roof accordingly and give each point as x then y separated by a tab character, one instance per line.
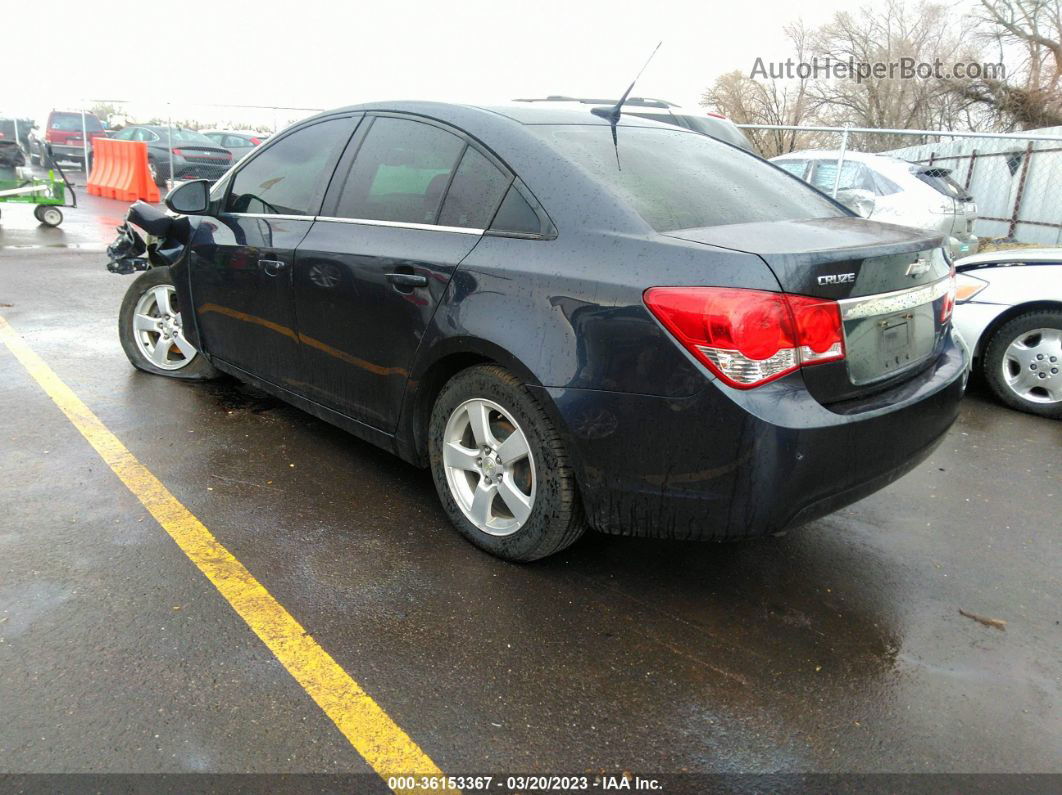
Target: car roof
524	113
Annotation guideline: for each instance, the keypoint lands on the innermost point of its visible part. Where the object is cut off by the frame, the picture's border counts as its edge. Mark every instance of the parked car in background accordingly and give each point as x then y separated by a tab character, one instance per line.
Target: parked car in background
893	191
1008	309
713	124
65	133
17	131
192	154
237	142
519	297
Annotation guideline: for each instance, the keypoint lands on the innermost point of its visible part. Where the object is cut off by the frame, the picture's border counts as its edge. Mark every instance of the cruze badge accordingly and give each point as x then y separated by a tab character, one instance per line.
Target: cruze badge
836	278
918	267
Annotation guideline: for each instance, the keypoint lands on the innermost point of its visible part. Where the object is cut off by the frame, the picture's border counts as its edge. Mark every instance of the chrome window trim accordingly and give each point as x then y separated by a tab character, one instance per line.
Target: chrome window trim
274	216
461	230
896	301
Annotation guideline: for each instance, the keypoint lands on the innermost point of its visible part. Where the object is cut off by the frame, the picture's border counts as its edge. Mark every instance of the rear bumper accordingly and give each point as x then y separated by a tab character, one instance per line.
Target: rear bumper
725	464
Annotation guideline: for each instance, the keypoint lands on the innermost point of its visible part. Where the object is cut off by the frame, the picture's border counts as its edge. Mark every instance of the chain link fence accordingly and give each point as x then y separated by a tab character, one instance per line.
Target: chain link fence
185	140
1006	189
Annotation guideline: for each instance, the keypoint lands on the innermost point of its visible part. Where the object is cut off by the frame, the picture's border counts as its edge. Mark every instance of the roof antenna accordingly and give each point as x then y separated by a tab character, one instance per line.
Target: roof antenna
612	115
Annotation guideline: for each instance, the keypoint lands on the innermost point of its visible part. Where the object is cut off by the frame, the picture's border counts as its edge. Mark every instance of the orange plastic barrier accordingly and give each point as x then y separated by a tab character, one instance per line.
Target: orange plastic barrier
120	171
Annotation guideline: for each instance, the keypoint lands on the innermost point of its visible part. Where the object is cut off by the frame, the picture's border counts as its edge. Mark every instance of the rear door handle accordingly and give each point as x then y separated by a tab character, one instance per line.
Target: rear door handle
272	267
407	280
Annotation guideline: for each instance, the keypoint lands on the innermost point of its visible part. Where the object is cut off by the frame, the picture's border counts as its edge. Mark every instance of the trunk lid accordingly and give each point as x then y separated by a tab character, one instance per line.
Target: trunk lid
891	283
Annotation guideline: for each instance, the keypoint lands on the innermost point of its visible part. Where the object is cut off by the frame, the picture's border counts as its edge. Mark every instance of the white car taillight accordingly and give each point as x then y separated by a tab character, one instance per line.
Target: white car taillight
749	337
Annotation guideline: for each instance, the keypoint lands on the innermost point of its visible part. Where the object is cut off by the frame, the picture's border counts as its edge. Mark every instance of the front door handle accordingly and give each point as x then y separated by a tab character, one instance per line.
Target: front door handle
407	280
272	267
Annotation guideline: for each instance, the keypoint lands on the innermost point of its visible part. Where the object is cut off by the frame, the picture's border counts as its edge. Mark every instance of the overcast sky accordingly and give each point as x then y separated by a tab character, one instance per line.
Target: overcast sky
315	53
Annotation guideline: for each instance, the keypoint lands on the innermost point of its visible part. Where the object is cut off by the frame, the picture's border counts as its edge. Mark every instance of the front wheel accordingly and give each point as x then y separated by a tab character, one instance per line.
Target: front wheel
1023	363
150	326
500	467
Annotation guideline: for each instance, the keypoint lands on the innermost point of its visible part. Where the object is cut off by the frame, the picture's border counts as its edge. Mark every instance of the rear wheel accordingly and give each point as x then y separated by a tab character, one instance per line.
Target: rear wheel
500	467
150	326
1023	363
153	172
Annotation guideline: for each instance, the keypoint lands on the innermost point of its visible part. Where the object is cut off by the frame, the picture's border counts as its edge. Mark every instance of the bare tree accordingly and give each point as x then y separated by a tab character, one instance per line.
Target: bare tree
1027	34
748	101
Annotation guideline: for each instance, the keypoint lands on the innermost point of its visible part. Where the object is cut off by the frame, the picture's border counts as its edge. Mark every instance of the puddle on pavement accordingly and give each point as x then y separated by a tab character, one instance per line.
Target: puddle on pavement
232	396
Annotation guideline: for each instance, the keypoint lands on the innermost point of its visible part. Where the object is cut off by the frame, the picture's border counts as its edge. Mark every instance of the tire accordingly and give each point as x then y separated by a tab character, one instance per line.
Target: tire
155	173
48	215
1023	363
143	345
555	519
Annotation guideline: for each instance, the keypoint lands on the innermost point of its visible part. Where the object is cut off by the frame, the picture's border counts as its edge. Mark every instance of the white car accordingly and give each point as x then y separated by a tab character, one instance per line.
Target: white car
893	191
1008	310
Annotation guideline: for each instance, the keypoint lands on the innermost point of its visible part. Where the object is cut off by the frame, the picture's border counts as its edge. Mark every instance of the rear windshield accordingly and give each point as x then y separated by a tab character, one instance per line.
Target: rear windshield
185	136
679	180
721	129
940	180
71	122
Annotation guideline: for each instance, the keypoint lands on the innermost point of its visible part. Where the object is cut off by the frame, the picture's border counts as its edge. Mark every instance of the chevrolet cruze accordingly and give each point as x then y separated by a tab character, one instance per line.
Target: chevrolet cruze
573	321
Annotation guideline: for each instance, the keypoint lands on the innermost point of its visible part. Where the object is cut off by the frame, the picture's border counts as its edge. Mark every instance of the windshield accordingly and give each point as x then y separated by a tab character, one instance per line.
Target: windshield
680	180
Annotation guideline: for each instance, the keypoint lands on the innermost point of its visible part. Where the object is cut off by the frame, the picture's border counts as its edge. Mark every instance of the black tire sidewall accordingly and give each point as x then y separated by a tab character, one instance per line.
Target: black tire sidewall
199	369
992	365
544	531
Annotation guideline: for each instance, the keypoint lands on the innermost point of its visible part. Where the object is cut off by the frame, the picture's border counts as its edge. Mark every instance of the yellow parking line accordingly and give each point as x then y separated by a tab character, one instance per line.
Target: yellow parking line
372	732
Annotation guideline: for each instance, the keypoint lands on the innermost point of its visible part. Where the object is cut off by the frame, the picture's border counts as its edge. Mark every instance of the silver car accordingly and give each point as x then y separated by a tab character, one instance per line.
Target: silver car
238	142
892	190
1008	310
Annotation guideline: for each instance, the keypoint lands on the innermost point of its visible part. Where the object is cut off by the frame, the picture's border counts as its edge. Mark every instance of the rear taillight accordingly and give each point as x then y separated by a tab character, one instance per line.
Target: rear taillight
178	152
256	141
949	297
749	337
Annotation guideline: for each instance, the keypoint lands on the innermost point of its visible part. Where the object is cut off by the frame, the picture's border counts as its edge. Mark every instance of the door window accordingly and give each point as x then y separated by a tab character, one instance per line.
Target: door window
475	192
290	177
401	172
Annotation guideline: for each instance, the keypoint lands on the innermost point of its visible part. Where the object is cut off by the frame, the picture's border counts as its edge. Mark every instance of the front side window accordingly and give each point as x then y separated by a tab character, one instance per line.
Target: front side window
682	180
290	177
401	172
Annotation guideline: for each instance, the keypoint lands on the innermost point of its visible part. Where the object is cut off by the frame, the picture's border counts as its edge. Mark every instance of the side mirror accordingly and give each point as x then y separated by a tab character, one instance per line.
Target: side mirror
858	200
191	198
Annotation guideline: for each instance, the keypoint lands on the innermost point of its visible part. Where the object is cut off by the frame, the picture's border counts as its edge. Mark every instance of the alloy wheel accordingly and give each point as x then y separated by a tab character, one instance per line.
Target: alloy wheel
489	467
158	331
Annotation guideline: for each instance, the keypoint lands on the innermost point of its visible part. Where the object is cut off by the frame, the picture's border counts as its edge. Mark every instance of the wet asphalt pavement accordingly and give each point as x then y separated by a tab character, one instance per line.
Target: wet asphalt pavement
837	648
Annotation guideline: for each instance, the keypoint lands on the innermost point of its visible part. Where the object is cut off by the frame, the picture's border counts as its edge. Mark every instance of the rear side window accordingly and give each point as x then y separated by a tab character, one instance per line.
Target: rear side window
853	175
475	192
682	180
401	172
516	215
290	177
